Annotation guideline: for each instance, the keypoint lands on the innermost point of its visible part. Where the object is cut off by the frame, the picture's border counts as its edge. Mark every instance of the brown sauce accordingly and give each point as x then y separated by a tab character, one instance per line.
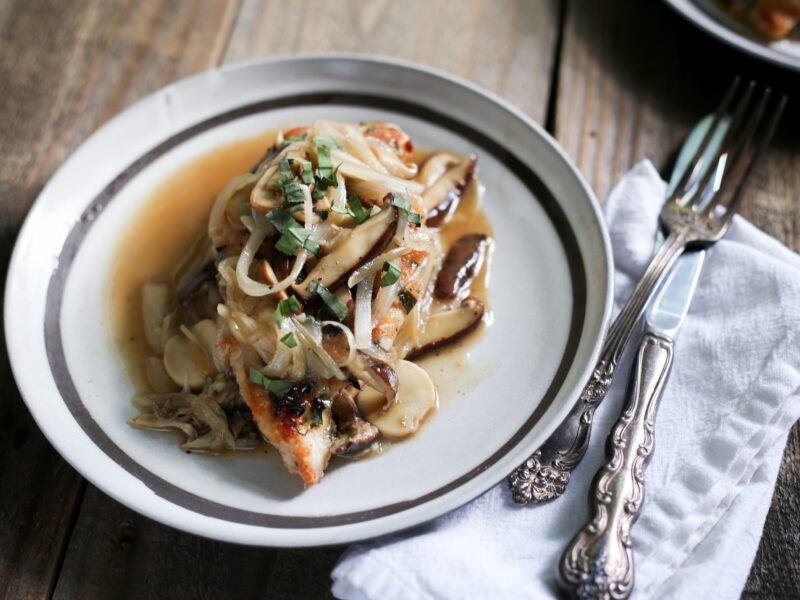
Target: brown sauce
175	218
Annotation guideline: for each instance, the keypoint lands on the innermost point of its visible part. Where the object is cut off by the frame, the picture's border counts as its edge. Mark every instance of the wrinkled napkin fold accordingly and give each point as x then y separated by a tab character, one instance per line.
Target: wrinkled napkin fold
720	433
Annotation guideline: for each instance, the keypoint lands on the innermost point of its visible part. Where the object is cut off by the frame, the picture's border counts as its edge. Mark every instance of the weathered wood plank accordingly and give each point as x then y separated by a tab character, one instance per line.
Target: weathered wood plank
116	553
64	69
507	48
634	78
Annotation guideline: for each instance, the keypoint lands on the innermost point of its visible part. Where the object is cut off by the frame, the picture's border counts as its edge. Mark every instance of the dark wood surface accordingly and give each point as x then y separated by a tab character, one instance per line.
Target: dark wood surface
614	81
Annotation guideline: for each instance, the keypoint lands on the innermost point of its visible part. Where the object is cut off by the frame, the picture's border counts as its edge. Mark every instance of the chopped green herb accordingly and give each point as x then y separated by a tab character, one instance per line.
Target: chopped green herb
392	274
407	299
308	169
293	194
286	170
325	141
286	307
336	306
319	192
281	220
318	406
279	387
295	236
353	209
403	204
296	138
325	173
289	340
323	214
357	209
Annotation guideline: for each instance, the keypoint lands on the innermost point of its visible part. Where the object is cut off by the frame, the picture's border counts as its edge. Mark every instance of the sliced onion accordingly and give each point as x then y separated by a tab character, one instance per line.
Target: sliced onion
251	287
402	227
363	314
351	343
374	265
350	168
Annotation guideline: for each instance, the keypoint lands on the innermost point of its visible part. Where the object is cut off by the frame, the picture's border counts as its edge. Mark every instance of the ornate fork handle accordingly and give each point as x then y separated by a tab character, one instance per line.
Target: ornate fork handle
598	562
545	475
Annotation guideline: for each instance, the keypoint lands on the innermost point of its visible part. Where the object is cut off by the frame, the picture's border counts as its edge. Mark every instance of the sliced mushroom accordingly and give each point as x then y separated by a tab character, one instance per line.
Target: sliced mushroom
463	261
356	247
355	434
435	166
448	326
188	362
157	316
416	397
263	197
442	198
380	376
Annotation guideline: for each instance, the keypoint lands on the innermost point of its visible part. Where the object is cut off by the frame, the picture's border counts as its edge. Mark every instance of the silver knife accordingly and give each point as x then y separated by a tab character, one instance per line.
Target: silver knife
598	562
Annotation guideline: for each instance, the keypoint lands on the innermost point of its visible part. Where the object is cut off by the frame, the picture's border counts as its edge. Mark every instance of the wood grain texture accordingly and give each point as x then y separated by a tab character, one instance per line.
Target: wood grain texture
634	78
507	48
65	68
116	553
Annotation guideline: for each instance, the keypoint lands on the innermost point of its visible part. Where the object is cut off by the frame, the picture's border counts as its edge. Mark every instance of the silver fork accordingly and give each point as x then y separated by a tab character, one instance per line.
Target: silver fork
545	475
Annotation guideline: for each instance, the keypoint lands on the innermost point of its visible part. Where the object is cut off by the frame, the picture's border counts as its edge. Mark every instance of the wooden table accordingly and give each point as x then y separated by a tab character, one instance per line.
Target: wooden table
614	81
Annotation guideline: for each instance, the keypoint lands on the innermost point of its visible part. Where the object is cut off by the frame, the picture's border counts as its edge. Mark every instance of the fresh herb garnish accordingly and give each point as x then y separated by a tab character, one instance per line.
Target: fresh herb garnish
325	173
279	387
357	209
392	274
289	340
281	219
293	235
285	169
293	194
353	209
318	406
323	214
293	238
403	204
286	307
325	141
336	306
307	170
407	299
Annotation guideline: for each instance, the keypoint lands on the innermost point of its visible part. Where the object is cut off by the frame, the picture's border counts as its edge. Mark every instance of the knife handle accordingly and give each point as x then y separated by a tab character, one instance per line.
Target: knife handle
598	562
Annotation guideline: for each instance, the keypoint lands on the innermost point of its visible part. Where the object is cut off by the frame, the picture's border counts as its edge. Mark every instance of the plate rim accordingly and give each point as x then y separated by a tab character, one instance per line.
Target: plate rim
698	17
592	207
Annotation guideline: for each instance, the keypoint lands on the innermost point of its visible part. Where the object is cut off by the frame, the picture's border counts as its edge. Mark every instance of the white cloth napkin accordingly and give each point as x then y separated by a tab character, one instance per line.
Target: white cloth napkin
720	434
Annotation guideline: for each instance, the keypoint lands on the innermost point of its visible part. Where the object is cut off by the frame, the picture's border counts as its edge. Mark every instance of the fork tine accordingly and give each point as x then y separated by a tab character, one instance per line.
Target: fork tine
724	147
697	162
731	193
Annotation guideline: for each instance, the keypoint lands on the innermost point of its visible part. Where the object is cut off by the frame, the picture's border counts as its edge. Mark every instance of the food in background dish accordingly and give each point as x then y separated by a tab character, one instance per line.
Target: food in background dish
773	19
324	272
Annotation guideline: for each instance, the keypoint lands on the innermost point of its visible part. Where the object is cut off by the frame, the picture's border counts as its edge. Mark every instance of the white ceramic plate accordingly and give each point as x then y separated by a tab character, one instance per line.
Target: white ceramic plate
550	295
711	17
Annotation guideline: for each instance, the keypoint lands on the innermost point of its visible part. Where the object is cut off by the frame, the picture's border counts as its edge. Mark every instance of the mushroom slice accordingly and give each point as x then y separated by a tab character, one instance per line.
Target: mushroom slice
442	198
463	261
355	434
435	166
157	316
448	326
187	362
355	248
416	397
380	376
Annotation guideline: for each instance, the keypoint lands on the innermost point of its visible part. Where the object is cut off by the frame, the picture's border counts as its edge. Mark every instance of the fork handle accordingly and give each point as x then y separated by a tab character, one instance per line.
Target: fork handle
545	475
598	562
